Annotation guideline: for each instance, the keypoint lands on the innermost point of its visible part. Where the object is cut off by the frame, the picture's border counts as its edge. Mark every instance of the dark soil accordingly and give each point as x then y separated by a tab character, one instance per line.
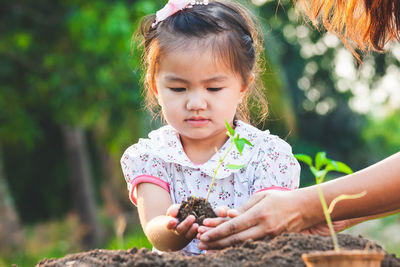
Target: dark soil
198	207
281	251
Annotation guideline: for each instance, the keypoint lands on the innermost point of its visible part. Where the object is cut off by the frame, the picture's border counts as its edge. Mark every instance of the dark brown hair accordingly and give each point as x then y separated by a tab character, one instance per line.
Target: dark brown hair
361	24
234	38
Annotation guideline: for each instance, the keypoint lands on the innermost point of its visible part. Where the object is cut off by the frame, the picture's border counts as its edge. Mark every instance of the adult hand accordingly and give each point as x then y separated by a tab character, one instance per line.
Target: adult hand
267	213
323	229
224	213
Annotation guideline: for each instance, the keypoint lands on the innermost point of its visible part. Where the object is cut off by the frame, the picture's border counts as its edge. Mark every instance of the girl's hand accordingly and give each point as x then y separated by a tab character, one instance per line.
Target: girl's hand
187	228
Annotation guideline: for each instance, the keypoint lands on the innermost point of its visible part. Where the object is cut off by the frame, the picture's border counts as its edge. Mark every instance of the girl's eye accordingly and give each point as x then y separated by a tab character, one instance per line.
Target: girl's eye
177	89
214	89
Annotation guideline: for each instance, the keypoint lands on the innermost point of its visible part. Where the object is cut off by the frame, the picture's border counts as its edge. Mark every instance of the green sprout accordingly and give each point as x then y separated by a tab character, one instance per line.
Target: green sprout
240	143
322	166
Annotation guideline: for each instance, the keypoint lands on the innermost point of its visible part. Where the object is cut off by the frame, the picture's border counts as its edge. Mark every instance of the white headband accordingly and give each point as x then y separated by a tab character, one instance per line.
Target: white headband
174	6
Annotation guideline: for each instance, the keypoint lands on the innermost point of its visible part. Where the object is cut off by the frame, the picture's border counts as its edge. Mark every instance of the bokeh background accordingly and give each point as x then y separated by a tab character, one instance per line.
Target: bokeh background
70	104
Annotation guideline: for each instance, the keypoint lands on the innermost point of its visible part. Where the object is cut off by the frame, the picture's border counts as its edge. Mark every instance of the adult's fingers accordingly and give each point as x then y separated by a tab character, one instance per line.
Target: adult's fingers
232	213
232	239
221	211
202	229
228	228
253	200
214	222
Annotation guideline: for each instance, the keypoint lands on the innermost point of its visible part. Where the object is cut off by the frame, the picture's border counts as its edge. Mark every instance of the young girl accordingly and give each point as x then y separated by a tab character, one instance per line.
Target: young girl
201	68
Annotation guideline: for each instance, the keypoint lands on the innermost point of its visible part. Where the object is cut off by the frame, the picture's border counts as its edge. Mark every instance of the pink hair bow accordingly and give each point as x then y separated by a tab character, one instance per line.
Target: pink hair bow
174	6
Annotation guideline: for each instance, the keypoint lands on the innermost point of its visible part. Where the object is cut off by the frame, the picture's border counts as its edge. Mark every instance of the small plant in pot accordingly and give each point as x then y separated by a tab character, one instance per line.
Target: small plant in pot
336	257
199	206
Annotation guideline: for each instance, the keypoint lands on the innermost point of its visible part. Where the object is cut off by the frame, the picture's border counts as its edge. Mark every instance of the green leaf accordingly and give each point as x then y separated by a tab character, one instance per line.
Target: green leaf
318	174
231	131
304	158
239	143
339	167
247	142
320	160
235	167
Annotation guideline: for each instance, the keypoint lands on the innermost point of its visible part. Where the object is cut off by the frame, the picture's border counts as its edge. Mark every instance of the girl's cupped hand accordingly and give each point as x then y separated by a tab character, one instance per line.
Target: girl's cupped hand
187	228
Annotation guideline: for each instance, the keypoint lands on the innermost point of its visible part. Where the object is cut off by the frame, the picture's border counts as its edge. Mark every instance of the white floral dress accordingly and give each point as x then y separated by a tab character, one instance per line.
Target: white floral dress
161	160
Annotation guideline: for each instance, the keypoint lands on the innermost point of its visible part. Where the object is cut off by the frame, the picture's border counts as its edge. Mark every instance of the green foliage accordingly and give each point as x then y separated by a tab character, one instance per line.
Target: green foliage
382	135
64	62
321	161
135	239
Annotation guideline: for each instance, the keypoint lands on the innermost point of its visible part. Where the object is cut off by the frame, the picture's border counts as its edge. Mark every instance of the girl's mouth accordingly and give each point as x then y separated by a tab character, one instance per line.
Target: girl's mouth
197	122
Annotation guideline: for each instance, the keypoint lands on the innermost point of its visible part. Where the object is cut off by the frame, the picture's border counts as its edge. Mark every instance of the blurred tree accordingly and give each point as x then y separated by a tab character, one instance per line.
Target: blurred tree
69	62
383	135
11	232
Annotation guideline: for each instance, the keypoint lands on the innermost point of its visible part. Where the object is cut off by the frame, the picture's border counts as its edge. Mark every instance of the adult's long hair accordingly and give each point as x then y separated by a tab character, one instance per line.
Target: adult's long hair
361	24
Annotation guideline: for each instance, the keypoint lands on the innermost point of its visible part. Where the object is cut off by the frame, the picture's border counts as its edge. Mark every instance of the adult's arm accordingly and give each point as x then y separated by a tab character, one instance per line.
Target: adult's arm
270	213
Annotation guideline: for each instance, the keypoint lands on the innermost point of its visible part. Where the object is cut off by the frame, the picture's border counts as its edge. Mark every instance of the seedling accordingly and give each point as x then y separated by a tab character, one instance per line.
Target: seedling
240	143
199	207
322	167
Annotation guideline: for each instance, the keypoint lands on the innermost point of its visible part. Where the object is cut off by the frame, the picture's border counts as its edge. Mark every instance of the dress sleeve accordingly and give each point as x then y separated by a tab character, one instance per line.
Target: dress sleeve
275	167
139	165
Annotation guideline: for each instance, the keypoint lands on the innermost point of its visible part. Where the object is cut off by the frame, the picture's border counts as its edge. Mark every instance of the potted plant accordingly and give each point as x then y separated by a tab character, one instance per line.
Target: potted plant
336	257
200	207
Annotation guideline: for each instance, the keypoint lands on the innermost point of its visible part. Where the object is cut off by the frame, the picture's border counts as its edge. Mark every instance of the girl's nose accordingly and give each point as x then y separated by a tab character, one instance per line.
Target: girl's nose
196	101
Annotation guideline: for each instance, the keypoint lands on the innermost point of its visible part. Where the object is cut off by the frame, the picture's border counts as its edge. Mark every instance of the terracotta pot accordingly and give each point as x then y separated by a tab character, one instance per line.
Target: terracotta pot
342	258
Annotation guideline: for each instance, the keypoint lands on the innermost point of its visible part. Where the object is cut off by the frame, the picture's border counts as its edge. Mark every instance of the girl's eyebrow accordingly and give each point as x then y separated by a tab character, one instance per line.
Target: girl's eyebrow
173	78
217	78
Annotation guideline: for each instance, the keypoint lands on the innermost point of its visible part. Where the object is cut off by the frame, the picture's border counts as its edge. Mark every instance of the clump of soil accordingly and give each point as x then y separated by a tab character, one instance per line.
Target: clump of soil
198	207
281	251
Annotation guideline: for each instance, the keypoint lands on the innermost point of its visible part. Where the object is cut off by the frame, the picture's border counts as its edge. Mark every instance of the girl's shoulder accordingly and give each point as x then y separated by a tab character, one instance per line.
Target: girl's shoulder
162	145
159	139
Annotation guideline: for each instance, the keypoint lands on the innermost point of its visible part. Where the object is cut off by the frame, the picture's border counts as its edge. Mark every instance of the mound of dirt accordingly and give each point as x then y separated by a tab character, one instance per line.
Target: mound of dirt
198	207
284	250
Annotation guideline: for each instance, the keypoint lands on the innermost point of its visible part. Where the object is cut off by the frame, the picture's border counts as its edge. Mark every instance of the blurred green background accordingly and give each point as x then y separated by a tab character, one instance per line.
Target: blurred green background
70	104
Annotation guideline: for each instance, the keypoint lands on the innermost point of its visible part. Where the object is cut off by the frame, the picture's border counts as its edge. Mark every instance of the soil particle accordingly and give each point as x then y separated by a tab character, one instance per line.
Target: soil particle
284	250
198	207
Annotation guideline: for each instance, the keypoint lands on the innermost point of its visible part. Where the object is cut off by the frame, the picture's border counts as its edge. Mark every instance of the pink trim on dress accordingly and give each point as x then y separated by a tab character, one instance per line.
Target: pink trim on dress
145	179
274	188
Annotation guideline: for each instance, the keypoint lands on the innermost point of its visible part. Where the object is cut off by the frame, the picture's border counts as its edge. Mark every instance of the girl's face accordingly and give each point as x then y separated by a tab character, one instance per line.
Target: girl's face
197	93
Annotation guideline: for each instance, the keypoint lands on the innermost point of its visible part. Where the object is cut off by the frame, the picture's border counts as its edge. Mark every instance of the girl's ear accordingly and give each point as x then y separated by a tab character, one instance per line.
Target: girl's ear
155	89
249	82
150	81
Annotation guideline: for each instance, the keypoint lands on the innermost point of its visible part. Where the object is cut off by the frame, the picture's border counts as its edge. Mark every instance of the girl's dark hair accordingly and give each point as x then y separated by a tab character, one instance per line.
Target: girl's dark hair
233	36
